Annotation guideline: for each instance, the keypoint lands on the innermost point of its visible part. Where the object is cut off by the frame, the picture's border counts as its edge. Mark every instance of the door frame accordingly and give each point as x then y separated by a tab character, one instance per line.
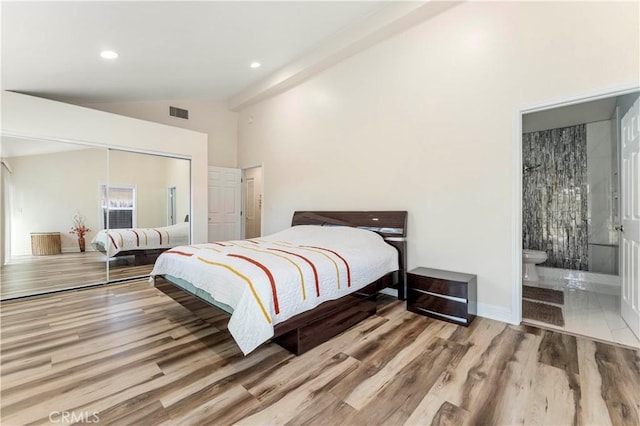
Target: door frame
243	197
516	243
238	215
5	212
171	206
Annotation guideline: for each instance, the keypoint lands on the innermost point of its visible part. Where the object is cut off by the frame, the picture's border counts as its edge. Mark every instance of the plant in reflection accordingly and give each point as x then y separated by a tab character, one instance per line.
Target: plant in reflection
79	229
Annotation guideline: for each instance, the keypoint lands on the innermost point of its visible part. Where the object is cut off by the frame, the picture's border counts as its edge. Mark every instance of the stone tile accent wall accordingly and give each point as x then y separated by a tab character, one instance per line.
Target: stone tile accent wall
554	196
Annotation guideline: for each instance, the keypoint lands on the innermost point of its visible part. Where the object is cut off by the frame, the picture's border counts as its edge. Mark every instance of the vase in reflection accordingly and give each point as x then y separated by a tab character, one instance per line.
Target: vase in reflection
81	243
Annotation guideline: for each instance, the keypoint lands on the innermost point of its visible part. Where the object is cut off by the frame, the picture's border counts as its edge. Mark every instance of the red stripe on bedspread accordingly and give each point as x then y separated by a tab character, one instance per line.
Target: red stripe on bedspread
220	244
266	270
137	238
112	241
341	258
160	235
315	272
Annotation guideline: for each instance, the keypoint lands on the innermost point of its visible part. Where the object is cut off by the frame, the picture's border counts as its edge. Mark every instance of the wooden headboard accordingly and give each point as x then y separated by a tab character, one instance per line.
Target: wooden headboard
391	225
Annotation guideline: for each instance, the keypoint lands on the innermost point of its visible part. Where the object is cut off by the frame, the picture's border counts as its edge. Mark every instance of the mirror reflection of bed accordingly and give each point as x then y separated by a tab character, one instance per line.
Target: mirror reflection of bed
131	252
144	216
46	183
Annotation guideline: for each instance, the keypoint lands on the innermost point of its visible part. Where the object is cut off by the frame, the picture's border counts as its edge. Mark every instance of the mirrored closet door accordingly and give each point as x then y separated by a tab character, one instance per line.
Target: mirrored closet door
146	208
76	215
50	203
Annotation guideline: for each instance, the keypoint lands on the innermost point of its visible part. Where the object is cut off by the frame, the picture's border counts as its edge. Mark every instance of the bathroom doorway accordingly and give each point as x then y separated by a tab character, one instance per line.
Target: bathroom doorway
571	229
252	201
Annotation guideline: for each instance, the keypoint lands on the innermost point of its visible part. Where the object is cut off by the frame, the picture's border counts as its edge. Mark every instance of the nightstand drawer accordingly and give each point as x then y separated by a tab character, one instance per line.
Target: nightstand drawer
437	285
418	299
445	295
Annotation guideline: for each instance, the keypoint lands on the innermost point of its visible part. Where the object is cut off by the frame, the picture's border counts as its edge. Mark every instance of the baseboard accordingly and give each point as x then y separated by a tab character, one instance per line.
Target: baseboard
497	313
75	249
63	250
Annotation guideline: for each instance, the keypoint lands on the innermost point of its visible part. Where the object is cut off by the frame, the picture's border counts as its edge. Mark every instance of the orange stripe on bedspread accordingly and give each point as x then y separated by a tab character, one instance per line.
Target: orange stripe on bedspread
212	249
335	265
183	253
341	258
304	291
313	268
199	247
266	270
253	290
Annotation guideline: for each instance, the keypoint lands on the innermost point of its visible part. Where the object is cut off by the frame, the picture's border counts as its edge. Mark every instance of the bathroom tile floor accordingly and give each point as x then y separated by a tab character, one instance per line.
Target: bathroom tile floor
588	313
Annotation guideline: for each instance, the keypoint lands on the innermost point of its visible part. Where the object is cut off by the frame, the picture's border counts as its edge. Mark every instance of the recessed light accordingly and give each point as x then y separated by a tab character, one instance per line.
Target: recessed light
108	54
255	65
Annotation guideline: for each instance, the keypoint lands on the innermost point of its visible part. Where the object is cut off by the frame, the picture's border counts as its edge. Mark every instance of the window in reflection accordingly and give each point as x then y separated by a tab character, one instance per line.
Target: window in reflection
118	206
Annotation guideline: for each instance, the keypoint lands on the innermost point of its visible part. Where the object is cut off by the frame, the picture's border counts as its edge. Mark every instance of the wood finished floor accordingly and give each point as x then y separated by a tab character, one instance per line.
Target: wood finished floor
134	356
30	275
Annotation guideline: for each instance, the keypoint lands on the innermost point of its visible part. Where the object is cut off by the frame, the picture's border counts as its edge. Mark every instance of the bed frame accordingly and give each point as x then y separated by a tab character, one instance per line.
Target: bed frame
309	329
143	257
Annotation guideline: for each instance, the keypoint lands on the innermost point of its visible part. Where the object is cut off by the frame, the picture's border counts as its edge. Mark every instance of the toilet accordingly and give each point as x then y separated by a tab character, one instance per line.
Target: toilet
530	258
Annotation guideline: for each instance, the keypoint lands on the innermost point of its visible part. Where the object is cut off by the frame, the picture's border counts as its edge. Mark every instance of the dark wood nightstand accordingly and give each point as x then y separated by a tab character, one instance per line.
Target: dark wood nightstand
445	295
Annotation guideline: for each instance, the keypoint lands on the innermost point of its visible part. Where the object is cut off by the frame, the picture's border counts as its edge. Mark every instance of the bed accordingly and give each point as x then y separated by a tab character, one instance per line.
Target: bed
143	243
298	287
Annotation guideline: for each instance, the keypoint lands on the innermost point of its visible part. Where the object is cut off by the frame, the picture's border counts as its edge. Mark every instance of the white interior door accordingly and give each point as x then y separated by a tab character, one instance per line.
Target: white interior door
630	214
252	202
224	204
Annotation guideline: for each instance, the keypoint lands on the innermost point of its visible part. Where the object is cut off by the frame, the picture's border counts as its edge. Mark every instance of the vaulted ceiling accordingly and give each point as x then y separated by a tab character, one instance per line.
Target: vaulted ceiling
167	49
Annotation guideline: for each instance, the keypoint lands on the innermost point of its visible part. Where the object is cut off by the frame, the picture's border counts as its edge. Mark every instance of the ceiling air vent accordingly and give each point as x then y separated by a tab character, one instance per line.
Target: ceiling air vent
178	112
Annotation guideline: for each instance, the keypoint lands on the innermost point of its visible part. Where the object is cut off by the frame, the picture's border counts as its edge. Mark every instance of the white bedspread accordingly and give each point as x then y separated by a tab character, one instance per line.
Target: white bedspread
114	241
270	279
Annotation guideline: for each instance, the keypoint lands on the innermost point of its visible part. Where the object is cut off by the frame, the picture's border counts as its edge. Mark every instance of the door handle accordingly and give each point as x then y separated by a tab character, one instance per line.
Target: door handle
620	228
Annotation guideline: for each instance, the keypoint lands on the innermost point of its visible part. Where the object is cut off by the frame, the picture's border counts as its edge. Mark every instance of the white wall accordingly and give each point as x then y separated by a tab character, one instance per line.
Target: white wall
206	116
426	122
36	117
49	189
151	175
